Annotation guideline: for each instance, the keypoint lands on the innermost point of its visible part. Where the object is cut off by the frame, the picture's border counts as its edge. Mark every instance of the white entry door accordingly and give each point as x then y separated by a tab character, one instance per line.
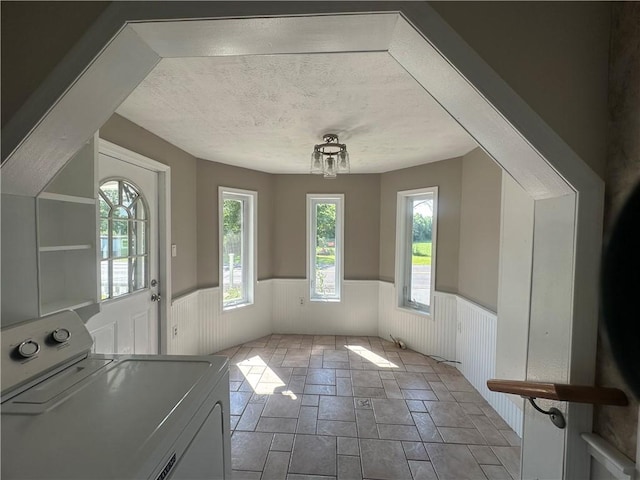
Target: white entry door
128	198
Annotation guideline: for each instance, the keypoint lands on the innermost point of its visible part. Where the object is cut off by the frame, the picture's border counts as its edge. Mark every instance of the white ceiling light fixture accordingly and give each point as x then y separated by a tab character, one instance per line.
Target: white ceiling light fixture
330	158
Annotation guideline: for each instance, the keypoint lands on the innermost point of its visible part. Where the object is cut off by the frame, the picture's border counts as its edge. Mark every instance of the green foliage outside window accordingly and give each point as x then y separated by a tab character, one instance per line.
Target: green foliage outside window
232	224
325	237
326	223
422	227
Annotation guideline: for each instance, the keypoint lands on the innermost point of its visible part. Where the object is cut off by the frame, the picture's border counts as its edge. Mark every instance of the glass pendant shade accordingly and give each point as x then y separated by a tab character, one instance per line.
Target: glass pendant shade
343	162
316	162
330	170
330	158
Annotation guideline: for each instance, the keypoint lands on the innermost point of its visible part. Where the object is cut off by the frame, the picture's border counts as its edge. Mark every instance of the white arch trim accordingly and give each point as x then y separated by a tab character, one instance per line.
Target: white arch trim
569	196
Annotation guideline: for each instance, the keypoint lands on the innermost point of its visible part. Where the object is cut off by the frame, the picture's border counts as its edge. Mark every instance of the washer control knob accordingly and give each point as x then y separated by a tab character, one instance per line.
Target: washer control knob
61	335
28	348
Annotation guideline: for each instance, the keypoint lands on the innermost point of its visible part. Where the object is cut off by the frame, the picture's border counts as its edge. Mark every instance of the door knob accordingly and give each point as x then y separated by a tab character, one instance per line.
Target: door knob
155	297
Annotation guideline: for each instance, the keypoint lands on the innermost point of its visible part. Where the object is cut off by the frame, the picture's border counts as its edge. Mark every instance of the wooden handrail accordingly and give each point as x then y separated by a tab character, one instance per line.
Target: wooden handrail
560	392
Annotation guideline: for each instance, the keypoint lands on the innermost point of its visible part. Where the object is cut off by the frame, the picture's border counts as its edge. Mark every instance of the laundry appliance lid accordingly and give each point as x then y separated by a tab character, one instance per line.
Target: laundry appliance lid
110	425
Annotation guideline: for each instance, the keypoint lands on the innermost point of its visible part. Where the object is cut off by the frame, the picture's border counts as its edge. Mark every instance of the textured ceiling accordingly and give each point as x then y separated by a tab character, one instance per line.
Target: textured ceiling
266	112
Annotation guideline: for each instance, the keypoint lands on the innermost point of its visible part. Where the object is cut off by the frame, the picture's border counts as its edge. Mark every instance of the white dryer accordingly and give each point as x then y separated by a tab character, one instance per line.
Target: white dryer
68	414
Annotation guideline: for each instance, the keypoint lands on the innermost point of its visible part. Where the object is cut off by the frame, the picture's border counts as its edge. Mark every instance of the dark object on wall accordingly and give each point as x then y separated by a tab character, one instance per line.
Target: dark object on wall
621	290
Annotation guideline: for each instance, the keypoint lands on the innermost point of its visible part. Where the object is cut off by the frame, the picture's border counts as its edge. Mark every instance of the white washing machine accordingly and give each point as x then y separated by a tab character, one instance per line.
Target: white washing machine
69	414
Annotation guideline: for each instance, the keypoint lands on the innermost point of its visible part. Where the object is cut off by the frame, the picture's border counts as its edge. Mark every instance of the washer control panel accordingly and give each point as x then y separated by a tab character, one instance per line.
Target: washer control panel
30	349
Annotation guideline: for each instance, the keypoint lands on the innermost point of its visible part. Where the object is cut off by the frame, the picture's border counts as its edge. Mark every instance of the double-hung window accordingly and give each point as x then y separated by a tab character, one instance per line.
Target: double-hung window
237	216
325	220
416	248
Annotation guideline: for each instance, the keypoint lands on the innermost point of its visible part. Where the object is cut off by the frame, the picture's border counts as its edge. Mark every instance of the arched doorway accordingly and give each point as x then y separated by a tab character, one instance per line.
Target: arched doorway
568	196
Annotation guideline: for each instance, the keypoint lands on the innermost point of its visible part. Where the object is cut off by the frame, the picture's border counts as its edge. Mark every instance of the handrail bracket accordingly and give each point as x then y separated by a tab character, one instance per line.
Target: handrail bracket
555	415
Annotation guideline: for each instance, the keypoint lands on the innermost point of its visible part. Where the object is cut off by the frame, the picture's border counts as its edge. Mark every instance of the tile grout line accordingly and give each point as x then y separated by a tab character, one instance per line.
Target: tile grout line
302	350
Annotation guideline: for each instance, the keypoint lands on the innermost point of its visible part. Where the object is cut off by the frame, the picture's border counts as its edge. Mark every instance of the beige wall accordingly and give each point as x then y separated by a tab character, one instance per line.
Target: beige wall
361	218
369	222
194	204
122	132
210	176
553	54
479	229
35	36
446	175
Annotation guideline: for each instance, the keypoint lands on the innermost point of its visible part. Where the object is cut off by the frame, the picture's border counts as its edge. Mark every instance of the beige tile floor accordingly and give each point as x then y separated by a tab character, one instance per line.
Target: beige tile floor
334	407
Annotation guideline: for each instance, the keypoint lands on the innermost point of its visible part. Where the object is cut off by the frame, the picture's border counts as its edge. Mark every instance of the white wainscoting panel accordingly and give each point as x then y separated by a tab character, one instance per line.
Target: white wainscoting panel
220	330
458	329
435	335
203	328
185	318
355	314
476	350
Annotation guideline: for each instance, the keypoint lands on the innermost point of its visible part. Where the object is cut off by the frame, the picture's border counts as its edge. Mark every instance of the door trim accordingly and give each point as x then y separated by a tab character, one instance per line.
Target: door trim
164	229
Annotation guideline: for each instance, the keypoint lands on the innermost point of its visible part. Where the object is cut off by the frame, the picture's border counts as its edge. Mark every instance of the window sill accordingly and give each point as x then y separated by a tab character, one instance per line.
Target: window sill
325	300
231	308
417	313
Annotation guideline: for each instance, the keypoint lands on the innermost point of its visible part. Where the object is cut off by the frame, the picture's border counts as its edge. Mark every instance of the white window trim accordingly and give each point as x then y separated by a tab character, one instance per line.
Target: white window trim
252	240
313	198
402	231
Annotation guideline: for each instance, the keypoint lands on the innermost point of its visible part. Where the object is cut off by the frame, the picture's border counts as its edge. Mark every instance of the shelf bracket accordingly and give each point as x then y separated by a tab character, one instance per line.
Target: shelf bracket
555	415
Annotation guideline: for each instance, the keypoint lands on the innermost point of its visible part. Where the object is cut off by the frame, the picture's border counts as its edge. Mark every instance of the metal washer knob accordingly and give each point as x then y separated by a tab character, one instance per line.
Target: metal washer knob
61	335
28	348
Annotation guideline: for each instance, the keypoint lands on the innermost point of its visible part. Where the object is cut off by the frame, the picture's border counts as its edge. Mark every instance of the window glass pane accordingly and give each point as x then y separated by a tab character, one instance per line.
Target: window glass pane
129	194
120	238
421	209
120	276
139	238
104	279
110	191
120	212
325	254
232	251
105	208
139	272
104	238
138	211
123	233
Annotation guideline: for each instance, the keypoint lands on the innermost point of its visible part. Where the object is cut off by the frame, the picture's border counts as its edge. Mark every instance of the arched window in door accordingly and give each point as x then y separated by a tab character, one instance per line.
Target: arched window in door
124	245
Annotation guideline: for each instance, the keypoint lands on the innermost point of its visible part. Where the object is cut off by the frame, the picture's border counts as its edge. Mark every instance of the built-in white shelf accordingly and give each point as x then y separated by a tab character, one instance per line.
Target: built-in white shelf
67	236
65	223
65	248
66	198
